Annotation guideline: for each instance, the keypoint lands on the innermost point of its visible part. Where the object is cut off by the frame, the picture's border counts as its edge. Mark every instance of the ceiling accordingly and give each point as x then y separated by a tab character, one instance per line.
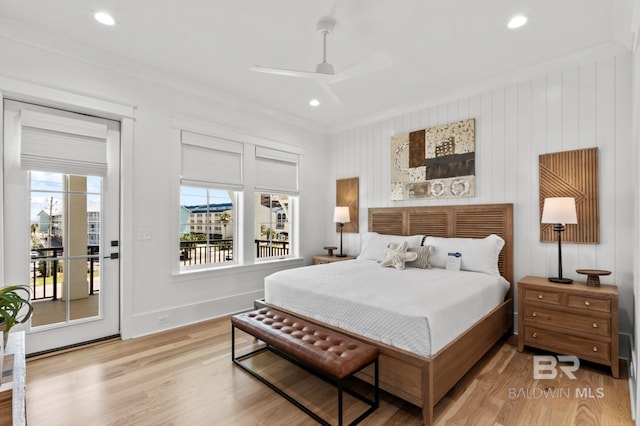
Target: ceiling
435	45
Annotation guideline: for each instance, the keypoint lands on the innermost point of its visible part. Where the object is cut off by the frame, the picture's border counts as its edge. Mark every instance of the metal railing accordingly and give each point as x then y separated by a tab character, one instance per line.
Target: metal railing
45	264
266	248
219	251
199	253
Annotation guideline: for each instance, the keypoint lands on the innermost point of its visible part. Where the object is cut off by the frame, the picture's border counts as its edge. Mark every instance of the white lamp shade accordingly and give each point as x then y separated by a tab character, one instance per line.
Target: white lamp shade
559	210
341	215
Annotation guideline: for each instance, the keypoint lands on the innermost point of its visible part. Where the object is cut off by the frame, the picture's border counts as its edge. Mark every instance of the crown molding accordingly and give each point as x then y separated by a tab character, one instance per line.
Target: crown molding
36	38
578	58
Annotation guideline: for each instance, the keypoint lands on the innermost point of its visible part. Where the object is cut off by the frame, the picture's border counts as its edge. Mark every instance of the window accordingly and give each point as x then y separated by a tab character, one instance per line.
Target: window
272	233
215	228
210	241
276	193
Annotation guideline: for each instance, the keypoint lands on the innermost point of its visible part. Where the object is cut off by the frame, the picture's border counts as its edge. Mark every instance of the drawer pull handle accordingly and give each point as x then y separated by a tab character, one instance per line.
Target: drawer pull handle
539	296
534	335
595	325
534	314
587	303
595	349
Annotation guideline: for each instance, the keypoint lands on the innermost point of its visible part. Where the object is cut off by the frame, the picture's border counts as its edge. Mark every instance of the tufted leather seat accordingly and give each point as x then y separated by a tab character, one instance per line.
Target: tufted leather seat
327	350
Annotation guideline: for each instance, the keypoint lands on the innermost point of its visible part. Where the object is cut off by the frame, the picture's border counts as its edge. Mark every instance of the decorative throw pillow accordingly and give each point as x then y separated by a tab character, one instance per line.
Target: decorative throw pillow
396	255
422	261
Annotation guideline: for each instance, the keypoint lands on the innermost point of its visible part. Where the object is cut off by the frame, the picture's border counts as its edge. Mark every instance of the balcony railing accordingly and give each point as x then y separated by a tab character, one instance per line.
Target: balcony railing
266	248
44	271
199	253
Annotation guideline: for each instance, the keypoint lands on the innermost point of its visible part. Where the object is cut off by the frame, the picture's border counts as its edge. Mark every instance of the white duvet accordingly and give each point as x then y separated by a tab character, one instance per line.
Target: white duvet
419	310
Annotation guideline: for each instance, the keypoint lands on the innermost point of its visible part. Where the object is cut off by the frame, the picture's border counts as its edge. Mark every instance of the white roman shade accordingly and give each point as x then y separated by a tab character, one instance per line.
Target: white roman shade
211	162
276	171
61	144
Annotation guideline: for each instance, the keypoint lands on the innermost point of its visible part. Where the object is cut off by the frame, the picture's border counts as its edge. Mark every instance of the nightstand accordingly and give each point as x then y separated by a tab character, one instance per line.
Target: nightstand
569	319
325	258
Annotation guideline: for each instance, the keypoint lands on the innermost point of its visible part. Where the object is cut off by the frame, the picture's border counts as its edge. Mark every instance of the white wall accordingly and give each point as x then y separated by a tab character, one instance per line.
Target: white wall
150	175
635	129
583	105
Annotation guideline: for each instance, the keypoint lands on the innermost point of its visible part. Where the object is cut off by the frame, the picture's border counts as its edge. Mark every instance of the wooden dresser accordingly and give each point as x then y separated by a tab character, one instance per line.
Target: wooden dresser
569	319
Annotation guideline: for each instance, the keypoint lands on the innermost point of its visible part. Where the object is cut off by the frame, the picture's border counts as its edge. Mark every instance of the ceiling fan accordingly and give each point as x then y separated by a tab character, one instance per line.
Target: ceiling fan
324	75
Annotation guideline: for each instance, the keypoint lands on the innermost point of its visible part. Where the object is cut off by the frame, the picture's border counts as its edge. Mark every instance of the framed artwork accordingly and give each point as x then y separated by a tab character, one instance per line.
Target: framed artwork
572	174
438	162
347	195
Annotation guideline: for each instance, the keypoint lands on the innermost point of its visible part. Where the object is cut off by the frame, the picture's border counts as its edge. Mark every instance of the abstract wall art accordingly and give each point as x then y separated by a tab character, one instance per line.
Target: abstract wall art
347	195
572	174
438	162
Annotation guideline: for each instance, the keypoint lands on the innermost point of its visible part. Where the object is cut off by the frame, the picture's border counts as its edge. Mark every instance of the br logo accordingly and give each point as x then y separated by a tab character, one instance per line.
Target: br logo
546	366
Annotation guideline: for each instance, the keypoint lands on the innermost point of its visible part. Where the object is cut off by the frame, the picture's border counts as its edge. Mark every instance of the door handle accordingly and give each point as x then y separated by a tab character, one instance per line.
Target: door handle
113	256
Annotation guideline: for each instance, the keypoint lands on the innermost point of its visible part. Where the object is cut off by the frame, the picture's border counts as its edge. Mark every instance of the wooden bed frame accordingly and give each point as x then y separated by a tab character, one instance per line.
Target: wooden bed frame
421	380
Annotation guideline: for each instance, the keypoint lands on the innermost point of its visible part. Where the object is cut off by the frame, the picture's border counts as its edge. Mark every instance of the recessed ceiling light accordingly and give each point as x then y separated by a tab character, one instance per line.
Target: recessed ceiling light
104	18
314	102
517	21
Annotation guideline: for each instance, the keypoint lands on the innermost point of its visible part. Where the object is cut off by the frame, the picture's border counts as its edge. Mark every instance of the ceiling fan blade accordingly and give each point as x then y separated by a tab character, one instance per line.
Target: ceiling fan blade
289	73
329	92
376	62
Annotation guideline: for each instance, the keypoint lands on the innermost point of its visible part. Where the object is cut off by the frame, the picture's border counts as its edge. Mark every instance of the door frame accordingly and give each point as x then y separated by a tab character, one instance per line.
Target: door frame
73	100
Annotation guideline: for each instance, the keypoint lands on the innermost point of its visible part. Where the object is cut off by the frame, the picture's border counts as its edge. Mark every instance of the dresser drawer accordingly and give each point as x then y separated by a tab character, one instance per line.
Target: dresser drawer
566	344
589	303
576	322
542	296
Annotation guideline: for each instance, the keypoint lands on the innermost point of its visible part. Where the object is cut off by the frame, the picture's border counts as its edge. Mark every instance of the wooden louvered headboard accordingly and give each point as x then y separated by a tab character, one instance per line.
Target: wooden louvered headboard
464	221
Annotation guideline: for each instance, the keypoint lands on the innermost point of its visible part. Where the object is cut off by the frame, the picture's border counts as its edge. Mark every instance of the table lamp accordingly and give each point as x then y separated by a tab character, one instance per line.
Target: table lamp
559	211
341	216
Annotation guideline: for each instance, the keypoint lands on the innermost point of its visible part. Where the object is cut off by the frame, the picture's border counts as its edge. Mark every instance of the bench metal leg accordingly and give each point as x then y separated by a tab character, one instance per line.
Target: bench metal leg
340	383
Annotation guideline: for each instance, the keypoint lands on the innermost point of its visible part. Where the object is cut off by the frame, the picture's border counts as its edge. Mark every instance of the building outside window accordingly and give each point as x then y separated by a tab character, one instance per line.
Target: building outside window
206	226
272	230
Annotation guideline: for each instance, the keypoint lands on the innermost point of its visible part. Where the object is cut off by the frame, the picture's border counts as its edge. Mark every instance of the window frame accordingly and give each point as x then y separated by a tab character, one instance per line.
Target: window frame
292	246
243	206
236	250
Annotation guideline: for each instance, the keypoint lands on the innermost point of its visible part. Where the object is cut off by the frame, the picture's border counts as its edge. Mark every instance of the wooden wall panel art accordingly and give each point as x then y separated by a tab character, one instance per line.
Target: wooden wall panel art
438	162
572	174
347	195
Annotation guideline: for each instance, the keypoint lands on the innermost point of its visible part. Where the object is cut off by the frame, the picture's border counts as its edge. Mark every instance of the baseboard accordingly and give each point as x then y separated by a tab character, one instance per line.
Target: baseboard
633	374
153	322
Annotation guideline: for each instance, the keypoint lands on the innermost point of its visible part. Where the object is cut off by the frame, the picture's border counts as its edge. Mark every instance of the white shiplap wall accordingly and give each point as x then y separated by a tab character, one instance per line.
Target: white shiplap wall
580	106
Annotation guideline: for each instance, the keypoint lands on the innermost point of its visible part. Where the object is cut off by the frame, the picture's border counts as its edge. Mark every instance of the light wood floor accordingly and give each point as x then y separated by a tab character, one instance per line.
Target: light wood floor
185	377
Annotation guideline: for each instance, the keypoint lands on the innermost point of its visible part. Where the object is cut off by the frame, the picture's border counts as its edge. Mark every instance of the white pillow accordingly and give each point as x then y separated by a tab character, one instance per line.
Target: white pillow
372	244
478	254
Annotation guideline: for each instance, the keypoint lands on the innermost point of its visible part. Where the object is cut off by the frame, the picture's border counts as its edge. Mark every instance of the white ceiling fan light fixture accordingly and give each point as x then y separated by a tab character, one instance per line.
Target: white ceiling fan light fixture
517	22
104	18
324	74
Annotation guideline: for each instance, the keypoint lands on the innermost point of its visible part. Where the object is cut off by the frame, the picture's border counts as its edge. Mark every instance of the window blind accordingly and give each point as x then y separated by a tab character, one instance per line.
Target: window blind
57	143
211	162
276	171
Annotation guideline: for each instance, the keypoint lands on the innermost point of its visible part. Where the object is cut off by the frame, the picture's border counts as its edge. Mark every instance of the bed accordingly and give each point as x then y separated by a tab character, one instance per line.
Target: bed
418	371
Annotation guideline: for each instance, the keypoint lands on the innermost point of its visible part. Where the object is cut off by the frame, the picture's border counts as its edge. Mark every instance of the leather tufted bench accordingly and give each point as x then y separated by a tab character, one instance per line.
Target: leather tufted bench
326	353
